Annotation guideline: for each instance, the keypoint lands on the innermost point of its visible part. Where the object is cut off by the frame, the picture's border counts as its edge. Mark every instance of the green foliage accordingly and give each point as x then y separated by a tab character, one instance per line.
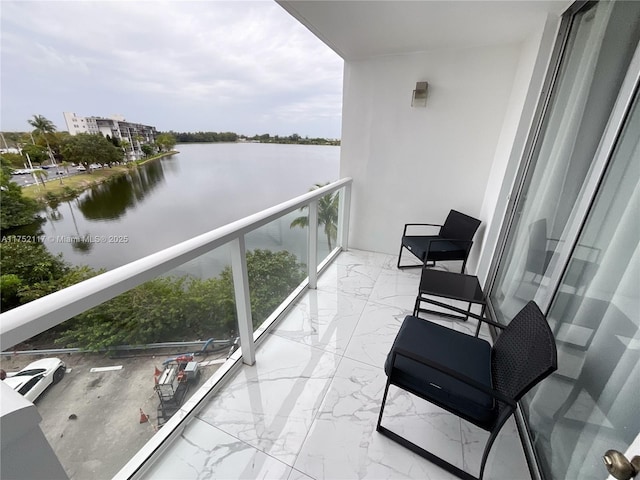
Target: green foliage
147	149
272	277
201	137
14	160
293	139
41	125
13	139
184	308
37	153
85	148
38	272
15	210
9	286
31	261
165	141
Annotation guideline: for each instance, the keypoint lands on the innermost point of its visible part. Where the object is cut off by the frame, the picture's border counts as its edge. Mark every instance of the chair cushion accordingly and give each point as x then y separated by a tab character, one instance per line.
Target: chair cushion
462	353
440	250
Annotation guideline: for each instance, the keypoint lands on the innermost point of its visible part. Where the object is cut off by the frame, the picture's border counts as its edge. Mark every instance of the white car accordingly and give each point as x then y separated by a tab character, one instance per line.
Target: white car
34	379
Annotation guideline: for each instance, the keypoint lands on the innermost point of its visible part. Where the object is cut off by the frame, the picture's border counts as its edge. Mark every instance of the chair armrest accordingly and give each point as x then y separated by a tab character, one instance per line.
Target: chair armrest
406	225
465	312
451	373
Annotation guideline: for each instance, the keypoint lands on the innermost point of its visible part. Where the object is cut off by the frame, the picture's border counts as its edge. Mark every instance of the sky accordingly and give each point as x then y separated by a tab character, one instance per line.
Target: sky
238	66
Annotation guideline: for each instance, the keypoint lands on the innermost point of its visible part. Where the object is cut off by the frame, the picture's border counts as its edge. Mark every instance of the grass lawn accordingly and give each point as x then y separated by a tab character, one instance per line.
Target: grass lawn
75	184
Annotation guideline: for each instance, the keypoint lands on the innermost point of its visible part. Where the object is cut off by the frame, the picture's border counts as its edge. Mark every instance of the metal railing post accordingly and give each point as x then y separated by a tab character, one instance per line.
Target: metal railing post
243	302
312	256
343	217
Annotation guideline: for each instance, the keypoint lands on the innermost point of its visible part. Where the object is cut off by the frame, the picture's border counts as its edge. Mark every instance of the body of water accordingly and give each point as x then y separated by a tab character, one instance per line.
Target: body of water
173	199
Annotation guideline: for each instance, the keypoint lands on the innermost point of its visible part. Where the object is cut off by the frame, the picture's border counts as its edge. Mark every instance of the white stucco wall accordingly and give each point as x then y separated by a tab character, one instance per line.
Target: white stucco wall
415	164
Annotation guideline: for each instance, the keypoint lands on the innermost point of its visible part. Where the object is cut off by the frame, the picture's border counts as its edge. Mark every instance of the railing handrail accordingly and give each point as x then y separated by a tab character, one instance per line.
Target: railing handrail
19	324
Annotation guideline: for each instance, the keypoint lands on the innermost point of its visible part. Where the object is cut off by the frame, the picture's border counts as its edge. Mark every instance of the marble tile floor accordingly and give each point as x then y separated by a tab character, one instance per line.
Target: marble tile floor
308	407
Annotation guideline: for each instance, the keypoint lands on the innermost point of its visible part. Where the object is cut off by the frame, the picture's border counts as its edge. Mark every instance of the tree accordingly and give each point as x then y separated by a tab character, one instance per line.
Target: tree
37	154
30	271
165	141
43	127
327	215
184	308
272	277
12	160
15	210
85	148
147	149
126	146
42	176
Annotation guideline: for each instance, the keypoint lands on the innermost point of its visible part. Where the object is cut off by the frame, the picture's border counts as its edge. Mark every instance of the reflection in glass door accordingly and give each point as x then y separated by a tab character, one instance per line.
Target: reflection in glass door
592	404
600	41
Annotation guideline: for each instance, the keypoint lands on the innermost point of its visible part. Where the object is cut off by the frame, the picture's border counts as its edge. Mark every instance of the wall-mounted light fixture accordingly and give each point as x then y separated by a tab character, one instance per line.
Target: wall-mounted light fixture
419	97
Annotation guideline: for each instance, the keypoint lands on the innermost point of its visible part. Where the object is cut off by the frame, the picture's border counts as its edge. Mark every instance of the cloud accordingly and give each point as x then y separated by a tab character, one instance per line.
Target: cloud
202	55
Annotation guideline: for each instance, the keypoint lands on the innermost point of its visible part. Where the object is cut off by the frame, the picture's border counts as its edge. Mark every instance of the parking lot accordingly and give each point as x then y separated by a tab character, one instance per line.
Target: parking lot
92	418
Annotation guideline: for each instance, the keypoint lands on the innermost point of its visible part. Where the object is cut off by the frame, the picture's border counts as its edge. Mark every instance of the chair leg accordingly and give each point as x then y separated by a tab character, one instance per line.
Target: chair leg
384	399
502	419
415	448
401	267
458	472
487	449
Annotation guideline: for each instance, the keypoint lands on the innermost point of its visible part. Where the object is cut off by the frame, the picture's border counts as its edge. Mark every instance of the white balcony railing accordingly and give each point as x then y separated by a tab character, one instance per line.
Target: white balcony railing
28	320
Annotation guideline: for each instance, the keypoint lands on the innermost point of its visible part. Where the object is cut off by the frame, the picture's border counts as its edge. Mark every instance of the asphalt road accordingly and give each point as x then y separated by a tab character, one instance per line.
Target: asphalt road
27	179
92	419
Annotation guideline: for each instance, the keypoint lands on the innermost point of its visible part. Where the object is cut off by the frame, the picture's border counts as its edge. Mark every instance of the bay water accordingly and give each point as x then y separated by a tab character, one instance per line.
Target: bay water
170	200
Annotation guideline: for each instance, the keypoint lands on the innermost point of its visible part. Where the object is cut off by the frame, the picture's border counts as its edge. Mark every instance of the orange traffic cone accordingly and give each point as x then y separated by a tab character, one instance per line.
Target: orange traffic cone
143	417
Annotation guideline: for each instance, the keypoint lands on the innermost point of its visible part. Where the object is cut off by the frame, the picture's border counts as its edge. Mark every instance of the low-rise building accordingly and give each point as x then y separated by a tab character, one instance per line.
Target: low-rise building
115	126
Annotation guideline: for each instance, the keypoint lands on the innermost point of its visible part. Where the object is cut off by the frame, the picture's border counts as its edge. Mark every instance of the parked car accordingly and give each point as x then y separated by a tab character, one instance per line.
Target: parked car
34	379
81	168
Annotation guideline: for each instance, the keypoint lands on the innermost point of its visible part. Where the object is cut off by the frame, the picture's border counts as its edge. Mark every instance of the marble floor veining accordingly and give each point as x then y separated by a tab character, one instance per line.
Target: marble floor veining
307	409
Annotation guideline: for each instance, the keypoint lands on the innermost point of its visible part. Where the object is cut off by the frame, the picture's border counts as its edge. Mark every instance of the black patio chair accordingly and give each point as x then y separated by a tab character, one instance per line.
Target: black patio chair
466	376
452	242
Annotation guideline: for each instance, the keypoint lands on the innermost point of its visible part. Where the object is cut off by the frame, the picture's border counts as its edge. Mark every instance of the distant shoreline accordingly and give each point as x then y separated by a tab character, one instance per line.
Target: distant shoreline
72	186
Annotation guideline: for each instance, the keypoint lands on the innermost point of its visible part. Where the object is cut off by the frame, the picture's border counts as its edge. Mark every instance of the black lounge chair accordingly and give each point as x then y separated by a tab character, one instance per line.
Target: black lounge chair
453	241
466	376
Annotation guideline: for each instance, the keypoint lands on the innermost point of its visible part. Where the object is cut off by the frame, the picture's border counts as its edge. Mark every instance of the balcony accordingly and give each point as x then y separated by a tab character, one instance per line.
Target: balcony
301	397
308	407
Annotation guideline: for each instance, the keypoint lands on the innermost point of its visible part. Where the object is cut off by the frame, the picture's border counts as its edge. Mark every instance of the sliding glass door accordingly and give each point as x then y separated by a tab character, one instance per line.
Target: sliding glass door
573	243
598	48
592	404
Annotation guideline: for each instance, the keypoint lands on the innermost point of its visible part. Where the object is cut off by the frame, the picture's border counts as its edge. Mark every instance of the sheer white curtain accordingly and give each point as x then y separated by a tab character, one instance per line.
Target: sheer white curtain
558	173
596	405
617	282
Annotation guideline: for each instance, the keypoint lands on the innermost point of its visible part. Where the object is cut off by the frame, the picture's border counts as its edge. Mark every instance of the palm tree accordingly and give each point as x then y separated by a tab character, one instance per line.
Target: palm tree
43	126
42	175
327	215
125	147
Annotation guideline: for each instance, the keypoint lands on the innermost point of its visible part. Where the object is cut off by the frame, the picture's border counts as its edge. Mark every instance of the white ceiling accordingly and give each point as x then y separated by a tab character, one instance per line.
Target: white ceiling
358	29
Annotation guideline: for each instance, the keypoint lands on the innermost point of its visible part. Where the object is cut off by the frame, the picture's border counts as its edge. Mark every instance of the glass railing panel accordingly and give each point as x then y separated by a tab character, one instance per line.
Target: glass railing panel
108	404
328	213
150	349
276	262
